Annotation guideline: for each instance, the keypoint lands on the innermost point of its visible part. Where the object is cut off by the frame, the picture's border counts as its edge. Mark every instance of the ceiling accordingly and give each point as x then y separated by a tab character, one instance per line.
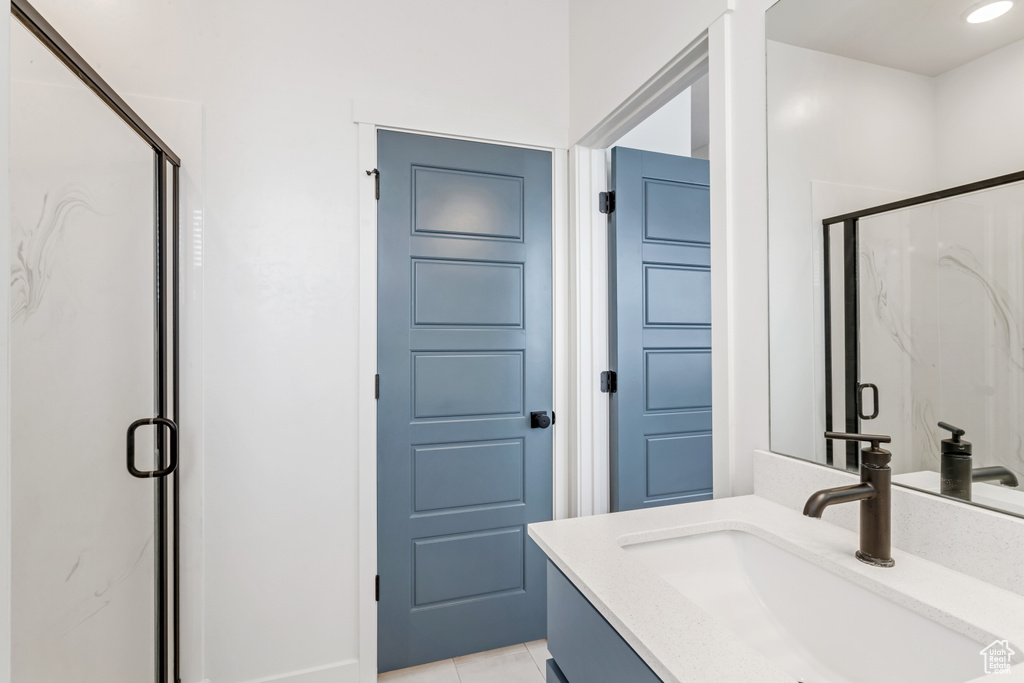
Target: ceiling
927	37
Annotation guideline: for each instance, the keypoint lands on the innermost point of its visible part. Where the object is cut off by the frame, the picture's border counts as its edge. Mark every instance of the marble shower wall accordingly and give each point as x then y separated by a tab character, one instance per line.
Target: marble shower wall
81	370
942	326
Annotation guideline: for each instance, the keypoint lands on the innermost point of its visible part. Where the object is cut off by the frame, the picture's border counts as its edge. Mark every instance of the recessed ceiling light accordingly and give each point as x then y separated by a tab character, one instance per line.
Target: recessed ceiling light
987	11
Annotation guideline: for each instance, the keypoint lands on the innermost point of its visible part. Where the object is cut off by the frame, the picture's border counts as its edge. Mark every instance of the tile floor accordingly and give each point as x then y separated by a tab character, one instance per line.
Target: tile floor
514	664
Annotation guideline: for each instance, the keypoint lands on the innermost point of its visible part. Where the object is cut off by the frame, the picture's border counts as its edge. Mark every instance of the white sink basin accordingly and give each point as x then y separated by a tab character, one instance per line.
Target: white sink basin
812	623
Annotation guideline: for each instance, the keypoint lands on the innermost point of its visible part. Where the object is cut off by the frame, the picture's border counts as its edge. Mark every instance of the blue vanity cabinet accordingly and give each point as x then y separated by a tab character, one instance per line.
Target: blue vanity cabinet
583	646
554	674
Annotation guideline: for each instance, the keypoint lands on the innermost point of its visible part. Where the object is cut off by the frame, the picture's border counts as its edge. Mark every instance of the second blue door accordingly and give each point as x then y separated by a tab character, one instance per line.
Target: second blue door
464	355
660	329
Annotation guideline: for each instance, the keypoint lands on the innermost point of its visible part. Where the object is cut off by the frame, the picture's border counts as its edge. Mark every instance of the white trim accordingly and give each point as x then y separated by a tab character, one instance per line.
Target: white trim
406	118
367	426
679	74
459	124
561	358
723	306
588	272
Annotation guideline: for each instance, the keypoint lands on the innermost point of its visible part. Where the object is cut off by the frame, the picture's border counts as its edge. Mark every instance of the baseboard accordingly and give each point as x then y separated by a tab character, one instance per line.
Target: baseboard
341	672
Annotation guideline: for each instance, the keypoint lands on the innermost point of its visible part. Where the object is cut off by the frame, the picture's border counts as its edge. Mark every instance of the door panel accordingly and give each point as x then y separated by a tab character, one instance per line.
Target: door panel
467	293
660	330
464	354
494	467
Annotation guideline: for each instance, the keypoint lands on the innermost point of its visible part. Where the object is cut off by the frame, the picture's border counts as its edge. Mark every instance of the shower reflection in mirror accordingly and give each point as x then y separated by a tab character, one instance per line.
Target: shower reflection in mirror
896	240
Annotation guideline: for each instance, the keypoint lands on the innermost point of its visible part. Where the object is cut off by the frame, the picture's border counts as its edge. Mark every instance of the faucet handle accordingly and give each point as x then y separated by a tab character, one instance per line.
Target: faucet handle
875	455
955	446
957	432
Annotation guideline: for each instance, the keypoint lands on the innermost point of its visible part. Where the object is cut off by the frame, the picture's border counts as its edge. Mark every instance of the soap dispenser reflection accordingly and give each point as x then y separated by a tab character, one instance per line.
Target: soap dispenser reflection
957	471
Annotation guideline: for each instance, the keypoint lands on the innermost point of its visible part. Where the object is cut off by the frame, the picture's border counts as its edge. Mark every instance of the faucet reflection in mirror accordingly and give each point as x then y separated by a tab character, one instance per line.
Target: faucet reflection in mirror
958	473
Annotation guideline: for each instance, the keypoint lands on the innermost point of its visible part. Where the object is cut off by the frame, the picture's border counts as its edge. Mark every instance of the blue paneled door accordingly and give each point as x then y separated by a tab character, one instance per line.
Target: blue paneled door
660	329
464	356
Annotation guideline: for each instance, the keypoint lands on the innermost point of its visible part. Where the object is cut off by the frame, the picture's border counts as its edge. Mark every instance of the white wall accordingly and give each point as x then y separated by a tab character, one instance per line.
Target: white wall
842	135
277	85
666	130
979	107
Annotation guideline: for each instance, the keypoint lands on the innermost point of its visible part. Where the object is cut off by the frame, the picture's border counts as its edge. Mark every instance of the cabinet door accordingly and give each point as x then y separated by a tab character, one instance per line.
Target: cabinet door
585	647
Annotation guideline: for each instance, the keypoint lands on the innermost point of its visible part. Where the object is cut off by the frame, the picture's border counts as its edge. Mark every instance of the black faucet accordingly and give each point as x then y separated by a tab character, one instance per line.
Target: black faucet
957	470
875	495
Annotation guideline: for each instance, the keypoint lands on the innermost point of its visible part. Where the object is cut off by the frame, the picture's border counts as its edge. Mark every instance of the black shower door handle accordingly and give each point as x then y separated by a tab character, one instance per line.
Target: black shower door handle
860	401
159	422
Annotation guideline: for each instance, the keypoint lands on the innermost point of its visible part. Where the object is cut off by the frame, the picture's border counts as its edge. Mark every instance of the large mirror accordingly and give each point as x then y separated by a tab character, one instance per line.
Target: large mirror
896	238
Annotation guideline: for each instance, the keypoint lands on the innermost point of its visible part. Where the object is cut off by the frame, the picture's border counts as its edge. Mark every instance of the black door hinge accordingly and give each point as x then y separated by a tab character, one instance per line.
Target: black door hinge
376	386
376	182
606	202
609	382
376	588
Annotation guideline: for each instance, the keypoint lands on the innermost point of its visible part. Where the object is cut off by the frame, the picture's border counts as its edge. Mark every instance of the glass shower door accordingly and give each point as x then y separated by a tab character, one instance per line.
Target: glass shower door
888	285
88	348
940	328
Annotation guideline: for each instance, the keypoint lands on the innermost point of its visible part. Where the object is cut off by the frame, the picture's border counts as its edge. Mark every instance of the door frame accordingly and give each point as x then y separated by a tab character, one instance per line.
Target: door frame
589	173
370	117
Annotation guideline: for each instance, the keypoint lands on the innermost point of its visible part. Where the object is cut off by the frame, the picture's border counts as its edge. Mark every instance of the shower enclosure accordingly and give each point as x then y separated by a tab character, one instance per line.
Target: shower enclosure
94	374
924	322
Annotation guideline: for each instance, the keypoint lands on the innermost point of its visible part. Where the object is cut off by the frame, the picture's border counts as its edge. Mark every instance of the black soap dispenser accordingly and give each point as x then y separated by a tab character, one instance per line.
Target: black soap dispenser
957	464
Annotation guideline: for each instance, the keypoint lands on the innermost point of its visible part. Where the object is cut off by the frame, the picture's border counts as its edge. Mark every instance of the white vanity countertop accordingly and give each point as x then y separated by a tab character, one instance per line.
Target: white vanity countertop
680	642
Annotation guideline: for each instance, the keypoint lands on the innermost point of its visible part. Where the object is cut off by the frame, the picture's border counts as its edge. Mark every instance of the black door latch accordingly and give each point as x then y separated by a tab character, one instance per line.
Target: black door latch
539	419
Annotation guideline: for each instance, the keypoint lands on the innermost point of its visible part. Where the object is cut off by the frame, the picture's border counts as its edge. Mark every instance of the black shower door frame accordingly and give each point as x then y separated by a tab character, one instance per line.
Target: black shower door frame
167	553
